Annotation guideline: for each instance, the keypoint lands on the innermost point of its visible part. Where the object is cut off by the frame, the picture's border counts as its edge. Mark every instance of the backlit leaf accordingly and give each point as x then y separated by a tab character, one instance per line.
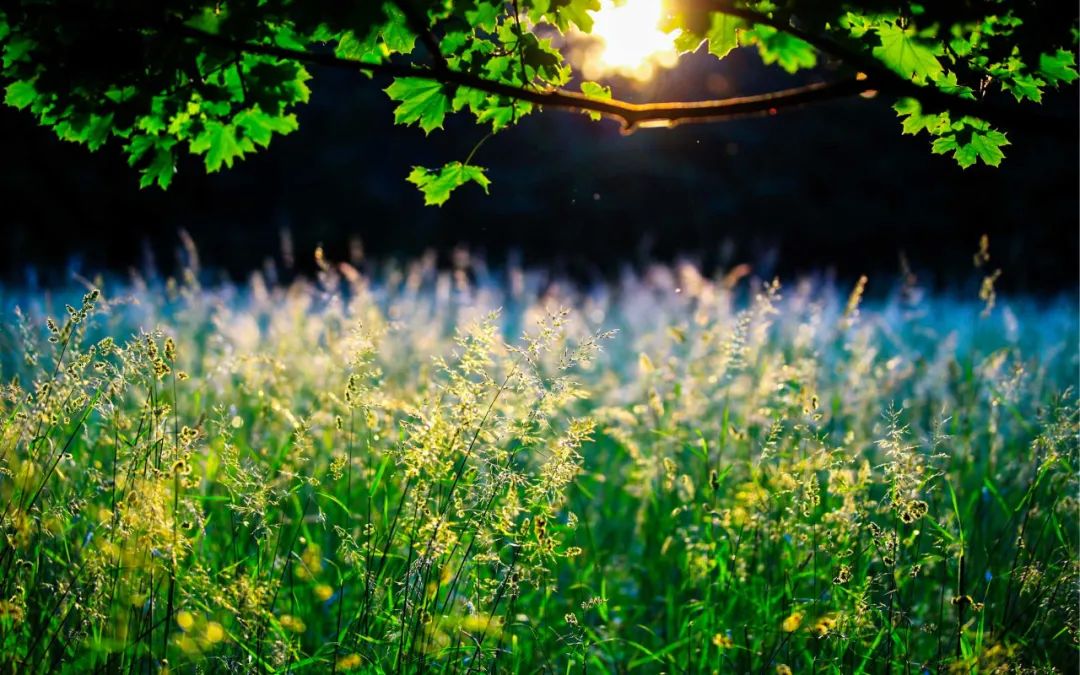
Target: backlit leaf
1058	67
787	51
723	33
420	100
908	55
438	184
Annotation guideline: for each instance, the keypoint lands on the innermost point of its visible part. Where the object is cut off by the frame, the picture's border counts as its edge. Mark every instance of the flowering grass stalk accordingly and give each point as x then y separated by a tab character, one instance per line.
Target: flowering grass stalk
422	471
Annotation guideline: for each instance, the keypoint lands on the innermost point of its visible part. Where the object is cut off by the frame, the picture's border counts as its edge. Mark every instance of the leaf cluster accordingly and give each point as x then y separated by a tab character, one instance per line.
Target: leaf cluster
220	80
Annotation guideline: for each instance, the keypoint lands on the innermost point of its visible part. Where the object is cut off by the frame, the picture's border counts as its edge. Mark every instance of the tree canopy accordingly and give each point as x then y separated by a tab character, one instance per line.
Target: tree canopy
221	79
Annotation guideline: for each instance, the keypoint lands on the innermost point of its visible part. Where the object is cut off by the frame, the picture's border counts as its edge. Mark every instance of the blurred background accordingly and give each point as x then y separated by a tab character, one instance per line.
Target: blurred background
833	189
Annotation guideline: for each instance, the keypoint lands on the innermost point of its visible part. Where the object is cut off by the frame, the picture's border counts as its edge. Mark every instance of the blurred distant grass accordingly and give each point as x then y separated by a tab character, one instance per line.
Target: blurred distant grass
673	474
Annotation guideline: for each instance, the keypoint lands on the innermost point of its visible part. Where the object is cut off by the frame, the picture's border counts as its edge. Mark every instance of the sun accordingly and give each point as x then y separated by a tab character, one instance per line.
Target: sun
629	40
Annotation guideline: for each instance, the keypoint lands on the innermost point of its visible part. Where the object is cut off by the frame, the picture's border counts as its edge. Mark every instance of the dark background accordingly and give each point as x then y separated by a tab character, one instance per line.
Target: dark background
832	188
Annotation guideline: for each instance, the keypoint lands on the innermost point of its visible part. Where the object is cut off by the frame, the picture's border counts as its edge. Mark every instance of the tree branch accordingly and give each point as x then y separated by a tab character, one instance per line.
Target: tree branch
822	43
892	83
636	115
630	115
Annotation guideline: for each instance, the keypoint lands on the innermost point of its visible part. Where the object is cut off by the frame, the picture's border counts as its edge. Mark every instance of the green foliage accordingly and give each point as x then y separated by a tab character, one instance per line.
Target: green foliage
902	50
596	91
1059	67
723	35
421	101
967	139
222	80
970	140
354	474
563	13
437	185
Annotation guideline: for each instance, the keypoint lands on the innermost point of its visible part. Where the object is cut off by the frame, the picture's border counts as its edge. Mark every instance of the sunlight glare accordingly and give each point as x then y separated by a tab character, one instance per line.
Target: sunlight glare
630	40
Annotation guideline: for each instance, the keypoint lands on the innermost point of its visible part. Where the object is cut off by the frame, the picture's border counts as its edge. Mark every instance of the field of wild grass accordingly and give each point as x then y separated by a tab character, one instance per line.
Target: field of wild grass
423	471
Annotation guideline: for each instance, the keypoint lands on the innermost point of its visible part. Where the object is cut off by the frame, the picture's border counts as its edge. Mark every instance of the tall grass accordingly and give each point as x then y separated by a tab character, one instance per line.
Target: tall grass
447	472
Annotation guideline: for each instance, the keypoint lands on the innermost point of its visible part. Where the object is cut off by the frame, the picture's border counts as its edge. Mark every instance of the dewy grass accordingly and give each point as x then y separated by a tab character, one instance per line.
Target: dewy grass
676	474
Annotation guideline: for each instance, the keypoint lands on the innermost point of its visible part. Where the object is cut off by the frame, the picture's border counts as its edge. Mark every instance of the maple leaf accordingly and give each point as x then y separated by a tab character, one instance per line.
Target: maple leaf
438	184
420	100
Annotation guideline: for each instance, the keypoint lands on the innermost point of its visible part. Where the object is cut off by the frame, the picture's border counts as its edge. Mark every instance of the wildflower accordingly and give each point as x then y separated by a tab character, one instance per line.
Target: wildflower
214	632
722	640
185	620
843	575
783	669
824	625
792	623
292	623
349	662
323	592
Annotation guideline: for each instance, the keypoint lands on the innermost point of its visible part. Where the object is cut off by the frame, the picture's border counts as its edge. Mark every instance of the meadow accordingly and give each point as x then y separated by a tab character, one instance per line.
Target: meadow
414	470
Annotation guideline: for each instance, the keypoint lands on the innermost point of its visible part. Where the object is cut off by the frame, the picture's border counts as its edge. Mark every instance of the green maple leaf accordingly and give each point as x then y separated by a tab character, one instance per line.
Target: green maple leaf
501	112
270	84
499	67
420	100
221	144
1023	86
971	141
485	15
903	53
787	51
472	99
93	130
161	165
16	48
395	33
723	33
20	94
365	49
949	84
453	42
916	122
987	145
1058	67
858	25
438	184
577	12
564	13
260	127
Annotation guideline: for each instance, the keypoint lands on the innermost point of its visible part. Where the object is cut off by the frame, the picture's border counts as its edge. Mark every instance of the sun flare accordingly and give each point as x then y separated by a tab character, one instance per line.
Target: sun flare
630	41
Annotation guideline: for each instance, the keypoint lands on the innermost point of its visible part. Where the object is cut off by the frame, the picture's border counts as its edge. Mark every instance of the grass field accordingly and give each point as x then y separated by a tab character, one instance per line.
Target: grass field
419	471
